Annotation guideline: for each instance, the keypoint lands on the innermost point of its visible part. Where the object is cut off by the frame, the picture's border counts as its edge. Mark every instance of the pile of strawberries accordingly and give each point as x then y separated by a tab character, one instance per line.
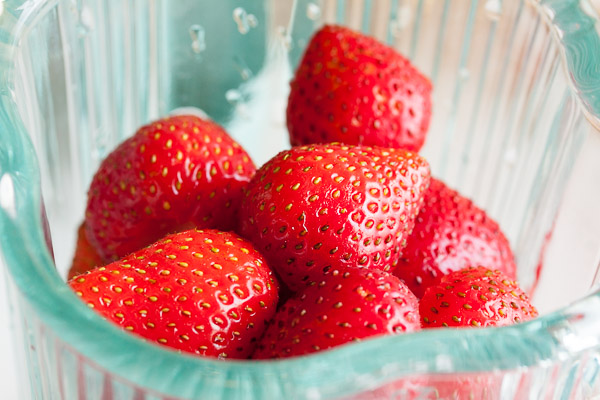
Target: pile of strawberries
343	237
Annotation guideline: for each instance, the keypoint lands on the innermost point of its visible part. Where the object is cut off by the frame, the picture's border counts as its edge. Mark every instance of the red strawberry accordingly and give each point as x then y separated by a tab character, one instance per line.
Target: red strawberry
468	386
203	292
173	174
345	307
451	233
86	258
475	385
316	208
475	297
443	386
352	89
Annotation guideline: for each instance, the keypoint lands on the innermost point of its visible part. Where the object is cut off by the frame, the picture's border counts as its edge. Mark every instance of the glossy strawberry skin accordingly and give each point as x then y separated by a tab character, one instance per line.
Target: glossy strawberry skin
352	89
86	257
202	292
173	174
475	297
345	307
318	208
451	233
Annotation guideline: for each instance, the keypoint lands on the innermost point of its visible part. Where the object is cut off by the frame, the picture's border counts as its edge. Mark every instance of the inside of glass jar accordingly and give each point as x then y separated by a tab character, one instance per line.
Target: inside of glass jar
506	131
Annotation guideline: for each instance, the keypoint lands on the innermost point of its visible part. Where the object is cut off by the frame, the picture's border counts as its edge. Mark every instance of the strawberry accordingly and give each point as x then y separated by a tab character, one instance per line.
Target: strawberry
174	174
475	297
345	307
86	258
319	208
451	233
203	292
441	386
352	89
444	386
474	385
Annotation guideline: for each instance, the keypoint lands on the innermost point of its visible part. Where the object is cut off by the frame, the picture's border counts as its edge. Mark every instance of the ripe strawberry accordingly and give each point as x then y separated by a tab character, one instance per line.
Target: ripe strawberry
86	258
451	233
318	208
352	89
203	292
173	174
345	307
475	297
474	385
443	386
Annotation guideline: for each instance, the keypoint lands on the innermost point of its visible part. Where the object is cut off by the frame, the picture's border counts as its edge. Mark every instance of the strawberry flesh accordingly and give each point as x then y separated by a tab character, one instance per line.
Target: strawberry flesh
318	208
173	174
202	292
343	308
350	88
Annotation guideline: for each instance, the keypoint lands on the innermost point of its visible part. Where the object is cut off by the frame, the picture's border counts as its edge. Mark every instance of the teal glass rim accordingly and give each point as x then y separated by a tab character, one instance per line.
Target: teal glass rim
545	340
577	29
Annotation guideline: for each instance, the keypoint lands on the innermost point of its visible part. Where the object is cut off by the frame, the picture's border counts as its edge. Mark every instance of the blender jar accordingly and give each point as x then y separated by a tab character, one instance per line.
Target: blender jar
515	127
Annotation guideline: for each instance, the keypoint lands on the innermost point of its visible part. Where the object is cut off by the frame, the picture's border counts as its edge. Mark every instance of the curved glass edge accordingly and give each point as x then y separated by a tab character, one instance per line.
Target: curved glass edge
576	25
562	335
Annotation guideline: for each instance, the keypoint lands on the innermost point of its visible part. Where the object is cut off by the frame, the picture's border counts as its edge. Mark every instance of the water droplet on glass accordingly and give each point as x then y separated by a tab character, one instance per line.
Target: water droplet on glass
198	40
100	140
402	20
510	156
245	73
243	110
313	11
464	73
82	30
252	21
86	22
244	21
7	195
241	66
233	96
98	154
493	9
284	37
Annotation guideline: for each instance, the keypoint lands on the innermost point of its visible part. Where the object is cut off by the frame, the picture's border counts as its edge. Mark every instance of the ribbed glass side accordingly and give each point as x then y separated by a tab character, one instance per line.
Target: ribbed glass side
50	369
504	120
552	382
87	77
505	127
506	131
53	370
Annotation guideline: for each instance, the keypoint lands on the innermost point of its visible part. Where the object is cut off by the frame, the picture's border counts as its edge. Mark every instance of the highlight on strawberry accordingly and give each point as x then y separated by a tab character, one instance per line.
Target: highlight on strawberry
451	233
350	88
173	174
475	297
353	226
345	307
316	209
207	292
